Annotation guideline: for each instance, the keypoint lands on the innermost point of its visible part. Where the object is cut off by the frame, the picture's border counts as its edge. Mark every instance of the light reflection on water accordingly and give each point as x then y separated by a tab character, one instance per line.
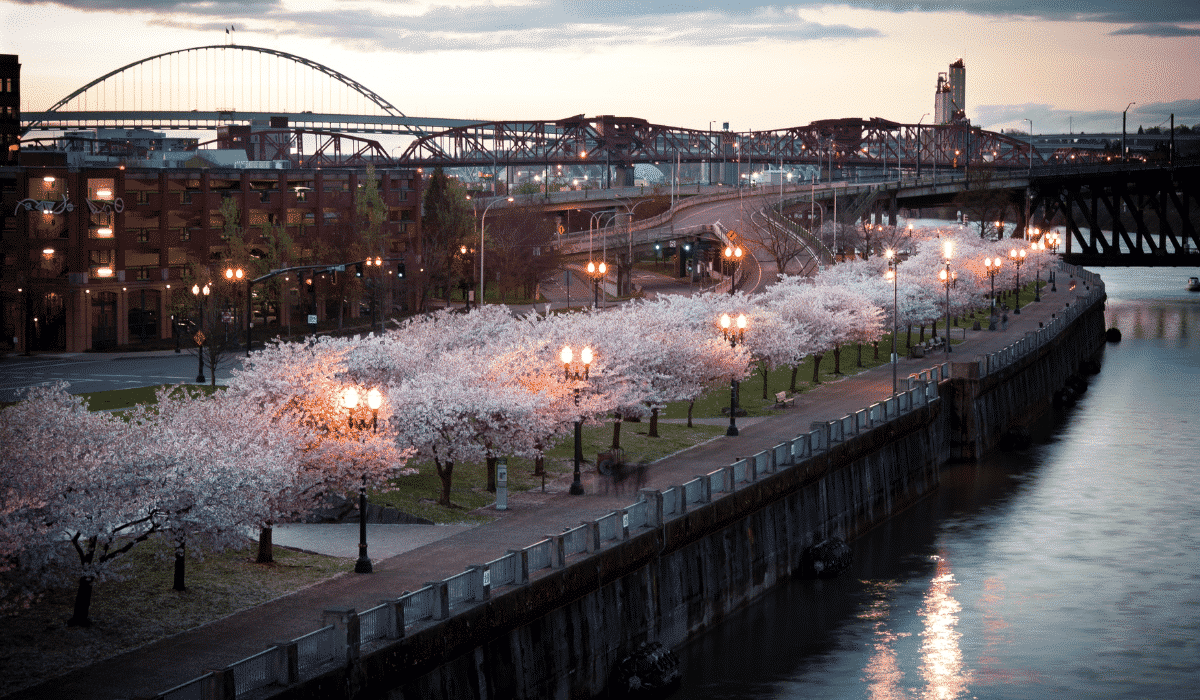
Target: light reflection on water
1071	569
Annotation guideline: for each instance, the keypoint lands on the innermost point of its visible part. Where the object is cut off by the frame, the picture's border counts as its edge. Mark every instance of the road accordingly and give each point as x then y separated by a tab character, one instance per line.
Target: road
86	372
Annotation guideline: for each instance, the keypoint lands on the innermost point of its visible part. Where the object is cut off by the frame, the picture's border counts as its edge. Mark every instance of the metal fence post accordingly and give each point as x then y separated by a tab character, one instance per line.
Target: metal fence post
481	582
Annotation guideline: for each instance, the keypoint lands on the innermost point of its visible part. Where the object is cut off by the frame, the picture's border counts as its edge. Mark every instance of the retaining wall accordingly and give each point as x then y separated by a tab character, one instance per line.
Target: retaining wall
553	619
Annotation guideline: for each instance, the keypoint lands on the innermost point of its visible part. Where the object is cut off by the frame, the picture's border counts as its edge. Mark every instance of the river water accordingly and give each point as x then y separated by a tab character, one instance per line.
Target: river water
1070	569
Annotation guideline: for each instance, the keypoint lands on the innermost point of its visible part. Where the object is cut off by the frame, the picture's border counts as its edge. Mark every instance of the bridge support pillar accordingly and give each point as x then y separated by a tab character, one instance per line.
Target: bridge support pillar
622	176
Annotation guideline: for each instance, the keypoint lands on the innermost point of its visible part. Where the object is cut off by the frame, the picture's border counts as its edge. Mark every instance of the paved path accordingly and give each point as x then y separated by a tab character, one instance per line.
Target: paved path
533	514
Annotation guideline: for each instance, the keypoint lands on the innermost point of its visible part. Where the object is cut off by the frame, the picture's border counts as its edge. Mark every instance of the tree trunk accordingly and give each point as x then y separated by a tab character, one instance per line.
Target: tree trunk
876	344
691	405
616	443
922	340
266	549
765	377
446	474
491	474
860	364
817	368
908	340
180	567
83	602
653	422
539	465
795	370
837	359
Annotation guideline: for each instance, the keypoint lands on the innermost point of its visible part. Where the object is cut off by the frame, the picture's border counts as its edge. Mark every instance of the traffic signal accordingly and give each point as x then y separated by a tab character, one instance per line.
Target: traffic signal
400	270
358	269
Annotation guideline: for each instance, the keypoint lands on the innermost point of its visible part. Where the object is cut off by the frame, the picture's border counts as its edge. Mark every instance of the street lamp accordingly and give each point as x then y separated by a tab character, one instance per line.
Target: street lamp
1037	247
733	255
1030	144
947	279
201	295
992	266
482	221
1124	151
893	275
1052	242
567	356
233	276
596	272
734	337
1018	257
350	400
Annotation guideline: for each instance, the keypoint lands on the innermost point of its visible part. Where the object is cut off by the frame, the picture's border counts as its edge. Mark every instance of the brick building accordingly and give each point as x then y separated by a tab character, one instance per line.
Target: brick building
102	228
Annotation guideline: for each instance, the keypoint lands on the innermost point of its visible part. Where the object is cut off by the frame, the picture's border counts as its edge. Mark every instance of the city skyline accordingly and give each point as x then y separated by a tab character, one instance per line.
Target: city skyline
753	65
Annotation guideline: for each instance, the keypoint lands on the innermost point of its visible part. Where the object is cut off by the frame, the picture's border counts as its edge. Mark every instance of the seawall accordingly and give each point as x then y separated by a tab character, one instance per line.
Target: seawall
554	619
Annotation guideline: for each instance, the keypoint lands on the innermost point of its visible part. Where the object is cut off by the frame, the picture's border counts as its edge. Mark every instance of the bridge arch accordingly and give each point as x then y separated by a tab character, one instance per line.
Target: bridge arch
171	81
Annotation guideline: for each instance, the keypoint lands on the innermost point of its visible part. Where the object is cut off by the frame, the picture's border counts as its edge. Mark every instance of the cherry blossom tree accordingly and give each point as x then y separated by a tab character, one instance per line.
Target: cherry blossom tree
305	385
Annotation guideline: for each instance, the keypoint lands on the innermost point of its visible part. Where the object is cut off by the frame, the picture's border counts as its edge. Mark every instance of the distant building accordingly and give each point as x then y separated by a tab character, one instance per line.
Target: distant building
10	108
102	227
950	97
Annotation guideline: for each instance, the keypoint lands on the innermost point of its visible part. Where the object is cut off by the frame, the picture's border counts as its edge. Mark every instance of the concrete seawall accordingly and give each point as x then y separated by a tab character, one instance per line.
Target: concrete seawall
561	632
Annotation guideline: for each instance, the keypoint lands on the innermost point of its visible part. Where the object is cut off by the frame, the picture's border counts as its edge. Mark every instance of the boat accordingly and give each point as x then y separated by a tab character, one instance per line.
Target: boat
1193	284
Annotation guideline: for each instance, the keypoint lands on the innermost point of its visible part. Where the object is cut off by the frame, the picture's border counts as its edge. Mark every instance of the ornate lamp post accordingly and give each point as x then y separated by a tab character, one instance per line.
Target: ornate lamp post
233	276
893	274
350	400
992	266
733	255
947	279
734	336
201	295
1018	257
567	356
597	272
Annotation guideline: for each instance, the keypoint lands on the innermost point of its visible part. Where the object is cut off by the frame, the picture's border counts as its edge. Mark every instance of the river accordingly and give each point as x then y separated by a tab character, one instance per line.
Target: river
1070	569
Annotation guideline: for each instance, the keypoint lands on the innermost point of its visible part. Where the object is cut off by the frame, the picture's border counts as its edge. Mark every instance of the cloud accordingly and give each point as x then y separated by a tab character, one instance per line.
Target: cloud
587	24
1157	30
543	26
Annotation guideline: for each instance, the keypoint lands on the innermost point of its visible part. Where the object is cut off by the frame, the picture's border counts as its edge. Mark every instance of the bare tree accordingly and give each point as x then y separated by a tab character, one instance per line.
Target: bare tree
763	230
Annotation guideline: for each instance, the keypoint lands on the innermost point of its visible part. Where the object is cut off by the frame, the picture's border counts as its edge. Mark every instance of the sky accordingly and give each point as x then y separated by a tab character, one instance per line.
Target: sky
1064	65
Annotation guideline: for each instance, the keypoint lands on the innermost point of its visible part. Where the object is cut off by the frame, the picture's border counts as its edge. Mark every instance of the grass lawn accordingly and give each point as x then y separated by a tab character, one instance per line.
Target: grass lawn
36	643
418	494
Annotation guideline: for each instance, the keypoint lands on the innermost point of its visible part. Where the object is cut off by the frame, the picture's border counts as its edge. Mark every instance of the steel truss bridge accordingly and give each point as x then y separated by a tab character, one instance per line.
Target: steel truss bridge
312	115
206	87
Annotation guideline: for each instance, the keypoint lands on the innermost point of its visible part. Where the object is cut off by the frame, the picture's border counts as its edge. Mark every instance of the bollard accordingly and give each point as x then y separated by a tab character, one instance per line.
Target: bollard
502	484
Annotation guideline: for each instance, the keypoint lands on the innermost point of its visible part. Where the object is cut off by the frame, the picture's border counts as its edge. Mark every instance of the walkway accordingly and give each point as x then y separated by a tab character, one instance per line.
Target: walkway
448	550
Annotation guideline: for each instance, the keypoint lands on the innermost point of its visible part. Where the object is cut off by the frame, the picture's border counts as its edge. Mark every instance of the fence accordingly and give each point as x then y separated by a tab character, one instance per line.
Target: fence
342	640
1033	340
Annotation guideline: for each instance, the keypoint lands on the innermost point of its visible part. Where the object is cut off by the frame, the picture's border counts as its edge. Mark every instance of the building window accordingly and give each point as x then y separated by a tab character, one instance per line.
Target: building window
182	233
143	235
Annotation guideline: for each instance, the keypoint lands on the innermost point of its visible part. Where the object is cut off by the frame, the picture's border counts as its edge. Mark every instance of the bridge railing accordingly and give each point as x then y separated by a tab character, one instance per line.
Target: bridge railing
1033	340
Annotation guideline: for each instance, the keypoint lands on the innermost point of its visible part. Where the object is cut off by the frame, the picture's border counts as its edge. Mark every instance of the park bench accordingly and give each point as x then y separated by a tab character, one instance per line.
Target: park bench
783	401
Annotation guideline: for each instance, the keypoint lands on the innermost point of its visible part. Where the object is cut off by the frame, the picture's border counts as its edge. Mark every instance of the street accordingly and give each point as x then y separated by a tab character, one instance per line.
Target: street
87	372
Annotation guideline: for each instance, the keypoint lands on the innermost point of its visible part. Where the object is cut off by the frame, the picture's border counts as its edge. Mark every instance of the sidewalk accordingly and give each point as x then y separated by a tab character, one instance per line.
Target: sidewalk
407	557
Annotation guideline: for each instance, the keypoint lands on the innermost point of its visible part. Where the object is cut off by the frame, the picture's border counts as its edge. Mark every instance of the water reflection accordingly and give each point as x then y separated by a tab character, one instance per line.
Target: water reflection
883	674
1153	320
941	657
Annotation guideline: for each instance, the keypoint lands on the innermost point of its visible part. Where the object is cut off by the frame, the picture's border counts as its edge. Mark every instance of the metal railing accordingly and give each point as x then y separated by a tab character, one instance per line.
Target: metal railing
303	656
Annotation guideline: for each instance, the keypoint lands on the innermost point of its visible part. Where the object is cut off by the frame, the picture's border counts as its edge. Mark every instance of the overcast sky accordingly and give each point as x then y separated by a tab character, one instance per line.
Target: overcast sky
1064	64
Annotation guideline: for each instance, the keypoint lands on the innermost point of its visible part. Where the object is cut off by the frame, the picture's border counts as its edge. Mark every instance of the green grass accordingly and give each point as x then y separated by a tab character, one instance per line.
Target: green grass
128	398
418	494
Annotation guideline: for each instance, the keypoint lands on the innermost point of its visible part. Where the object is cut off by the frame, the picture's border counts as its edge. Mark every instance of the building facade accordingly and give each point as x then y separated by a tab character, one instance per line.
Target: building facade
105	233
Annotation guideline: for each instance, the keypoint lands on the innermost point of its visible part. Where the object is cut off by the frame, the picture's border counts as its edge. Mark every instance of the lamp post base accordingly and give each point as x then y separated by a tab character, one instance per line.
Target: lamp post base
732	431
